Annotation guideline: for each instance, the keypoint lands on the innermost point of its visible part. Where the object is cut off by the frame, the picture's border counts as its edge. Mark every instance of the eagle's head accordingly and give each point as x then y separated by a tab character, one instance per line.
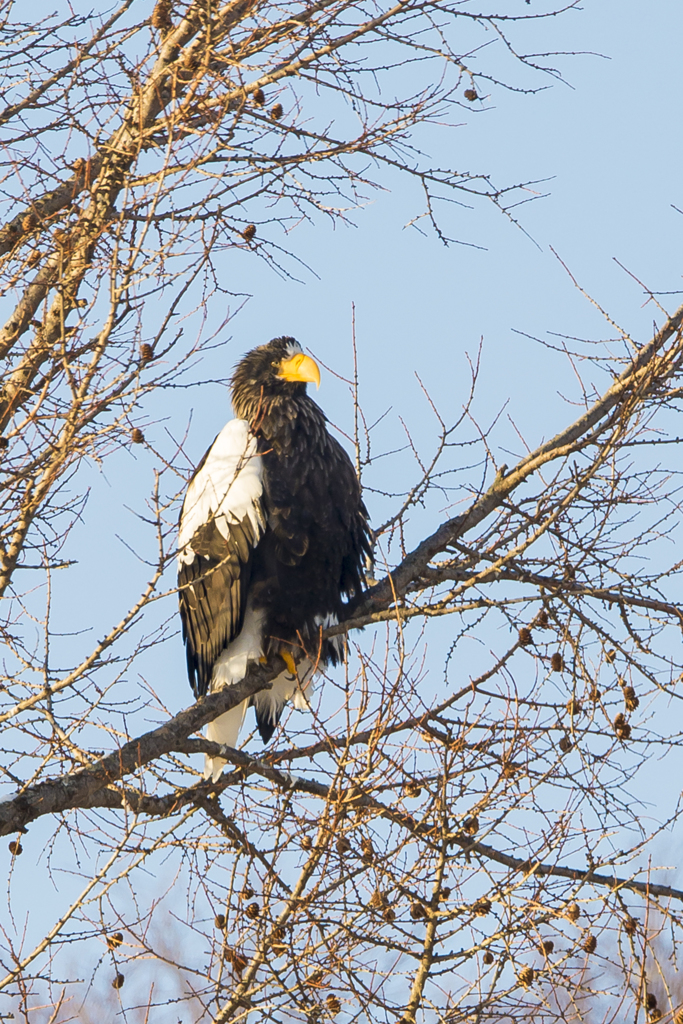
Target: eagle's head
272	373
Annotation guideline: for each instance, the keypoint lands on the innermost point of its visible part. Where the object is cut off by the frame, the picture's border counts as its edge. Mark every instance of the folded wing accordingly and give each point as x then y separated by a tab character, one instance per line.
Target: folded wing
221	522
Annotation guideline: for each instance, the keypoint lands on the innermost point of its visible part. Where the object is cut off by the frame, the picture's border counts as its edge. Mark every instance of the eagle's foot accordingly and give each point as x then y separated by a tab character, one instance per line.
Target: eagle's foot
289	662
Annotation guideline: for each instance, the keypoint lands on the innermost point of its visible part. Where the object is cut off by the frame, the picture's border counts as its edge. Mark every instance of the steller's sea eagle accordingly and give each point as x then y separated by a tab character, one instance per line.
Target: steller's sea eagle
273	538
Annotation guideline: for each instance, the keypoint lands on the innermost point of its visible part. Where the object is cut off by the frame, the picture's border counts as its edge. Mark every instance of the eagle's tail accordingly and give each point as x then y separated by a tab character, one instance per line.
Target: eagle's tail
269	704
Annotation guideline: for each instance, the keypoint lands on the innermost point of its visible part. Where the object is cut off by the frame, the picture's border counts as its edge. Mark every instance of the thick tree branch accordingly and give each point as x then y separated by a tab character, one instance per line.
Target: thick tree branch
76	789
247	765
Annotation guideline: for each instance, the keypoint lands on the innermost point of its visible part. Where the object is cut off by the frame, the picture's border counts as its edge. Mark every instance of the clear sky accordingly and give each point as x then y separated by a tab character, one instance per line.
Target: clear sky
608	142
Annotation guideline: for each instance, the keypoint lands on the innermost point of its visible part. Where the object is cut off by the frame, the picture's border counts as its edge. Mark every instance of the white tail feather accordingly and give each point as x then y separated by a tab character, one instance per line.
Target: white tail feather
269	703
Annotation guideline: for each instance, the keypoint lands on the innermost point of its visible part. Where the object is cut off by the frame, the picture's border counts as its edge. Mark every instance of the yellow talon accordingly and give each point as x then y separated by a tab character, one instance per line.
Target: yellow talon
263	660
289	661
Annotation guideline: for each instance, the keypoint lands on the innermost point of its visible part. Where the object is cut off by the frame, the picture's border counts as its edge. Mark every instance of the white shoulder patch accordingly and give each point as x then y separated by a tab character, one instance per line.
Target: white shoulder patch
227	488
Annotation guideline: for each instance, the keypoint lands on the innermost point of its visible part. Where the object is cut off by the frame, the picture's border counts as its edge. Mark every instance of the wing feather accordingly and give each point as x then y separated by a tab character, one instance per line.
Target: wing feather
221	522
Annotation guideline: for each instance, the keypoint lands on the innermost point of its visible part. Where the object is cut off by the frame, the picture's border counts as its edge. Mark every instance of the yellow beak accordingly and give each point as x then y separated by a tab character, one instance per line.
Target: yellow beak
301	368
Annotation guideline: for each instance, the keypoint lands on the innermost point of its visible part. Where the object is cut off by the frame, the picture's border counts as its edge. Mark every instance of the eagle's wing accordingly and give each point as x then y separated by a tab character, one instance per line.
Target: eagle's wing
221	522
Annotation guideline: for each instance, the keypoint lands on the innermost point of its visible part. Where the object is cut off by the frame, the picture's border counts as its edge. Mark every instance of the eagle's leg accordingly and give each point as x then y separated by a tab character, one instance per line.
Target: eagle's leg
224	729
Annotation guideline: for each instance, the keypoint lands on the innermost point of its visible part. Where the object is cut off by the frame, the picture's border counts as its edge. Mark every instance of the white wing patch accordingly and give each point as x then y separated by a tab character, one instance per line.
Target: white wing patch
227	488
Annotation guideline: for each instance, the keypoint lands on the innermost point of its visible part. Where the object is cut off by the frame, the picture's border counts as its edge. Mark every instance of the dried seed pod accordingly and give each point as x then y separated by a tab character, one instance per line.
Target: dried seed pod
161	16
630	925
412	790
342	845
219	921
118	981
488	957
471	825
378	900
572	912
253	911
590	943
389	915
236	960
249	232
471	95
15	848
277	943
526	976
655	1015
115	940
28	222
678	1016
610	656
621	727
276	112
481	907
259	97
542	619
525	636
565	744
146	352
333	1004
247	893
594	694
444	894
417	912
510	769
547	946
315	977
3	442
574	706
191	61
556	662
367	851
306	843
136	436
650	1001
630	699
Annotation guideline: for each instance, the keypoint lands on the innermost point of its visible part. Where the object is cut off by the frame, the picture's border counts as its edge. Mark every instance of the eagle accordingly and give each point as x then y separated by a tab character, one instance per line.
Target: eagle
274	539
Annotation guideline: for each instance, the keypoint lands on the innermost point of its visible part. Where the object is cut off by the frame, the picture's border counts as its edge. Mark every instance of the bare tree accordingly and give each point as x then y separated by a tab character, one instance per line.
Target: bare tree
460	850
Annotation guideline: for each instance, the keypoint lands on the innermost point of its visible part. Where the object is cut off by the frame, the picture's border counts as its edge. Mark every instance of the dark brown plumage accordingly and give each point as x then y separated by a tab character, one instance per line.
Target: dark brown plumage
297	545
